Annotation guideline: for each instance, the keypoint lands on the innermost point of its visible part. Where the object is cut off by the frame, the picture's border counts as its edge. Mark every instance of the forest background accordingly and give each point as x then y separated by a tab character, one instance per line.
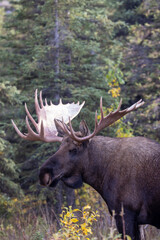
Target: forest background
74	50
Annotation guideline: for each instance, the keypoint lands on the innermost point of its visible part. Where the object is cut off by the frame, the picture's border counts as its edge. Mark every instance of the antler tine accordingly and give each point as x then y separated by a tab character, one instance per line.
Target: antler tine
30	133
136	105
119	106
40	98
37	107
31	118
140	103
62	125
73	135
46	102
101	108
65	128
17	130
42	130
96	121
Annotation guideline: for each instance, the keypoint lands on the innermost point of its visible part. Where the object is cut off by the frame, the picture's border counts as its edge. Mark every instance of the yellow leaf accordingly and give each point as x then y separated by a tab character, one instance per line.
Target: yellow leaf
128	237
74	220
83	226
89	230
76	210
87	207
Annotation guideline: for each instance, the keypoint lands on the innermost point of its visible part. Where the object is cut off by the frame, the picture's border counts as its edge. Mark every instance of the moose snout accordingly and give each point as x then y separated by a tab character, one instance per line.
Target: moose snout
48	178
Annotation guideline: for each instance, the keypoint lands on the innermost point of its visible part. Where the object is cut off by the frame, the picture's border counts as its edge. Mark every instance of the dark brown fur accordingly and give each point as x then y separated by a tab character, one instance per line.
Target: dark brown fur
125	171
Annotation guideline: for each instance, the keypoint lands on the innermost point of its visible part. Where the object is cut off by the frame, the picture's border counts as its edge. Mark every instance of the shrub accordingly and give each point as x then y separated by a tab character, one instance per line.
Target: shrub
74	227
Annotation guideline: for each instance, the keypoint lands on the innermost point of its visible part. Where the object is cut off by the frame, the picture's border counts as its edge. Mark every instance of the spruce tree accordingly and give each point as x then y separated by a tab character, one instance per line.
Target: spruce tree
65	49
9	172
142	69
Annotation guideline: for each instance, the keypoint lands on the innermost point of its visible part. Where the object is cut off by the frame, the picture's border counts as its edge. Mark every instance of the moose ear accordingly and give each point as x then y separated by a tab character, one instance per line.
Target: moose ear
84	128
59	127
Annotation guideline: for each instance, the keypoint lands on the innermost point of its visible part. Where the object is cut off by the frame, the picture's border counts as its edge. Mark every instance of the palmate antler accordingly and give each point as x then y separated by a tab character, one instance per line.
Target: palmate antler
104	121
46	129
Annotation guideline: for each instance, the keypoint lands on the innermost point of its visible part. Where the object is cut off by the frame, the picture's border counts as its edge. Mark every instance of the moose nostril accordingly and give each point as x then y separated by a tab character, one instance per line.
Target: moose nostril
46	179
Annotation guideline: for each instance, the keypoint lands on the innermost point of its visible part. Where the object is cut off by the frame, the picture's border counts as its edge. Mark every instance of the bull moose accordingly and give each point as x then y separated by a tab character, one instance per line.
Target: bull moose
124	171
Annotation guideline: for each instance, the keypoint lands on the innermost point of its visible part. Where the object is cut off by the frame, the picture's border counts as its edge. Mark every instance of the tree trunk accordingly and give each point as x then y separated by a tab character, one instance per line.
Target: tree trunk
56	38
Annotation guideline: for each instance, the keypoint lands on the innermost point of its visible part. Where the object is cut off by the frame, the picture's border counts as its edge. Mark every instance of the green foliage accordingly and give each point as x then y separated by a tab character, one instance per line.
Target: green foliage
8	169
8	93
127	11
142	69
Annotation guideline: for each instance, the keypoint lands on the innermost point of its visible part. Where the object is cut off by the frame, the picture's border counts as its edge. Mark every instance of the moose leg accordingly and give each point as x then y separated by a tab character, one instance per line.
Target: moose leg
127	225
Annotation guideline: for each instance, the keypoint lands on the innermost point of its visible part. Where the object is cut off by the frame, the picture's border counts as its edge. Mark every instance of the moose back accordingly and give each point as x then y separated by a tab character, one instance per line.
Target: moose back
125	171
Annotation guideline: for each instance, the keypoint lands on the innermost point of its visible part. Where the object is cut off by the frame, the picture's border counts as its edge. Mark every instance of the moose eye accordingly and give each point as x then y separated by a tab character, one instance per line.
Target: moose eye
73	151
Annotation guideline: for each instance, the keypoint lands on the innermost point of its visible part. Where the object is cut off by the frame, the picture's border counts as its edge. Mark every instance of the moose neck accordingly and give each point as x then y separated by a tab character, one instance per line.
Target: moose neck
95	166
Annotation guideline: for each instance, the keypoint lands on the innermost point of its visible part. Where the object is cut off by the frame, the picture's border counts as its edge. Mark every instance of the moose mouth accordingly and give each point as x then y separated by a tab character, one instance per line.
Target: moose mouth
53	183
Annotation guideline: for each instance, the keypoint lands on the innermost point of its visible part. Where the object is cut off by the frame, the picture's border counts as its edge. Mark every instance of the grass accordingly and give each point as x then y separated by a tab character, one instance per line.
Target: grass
46	225
33	220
